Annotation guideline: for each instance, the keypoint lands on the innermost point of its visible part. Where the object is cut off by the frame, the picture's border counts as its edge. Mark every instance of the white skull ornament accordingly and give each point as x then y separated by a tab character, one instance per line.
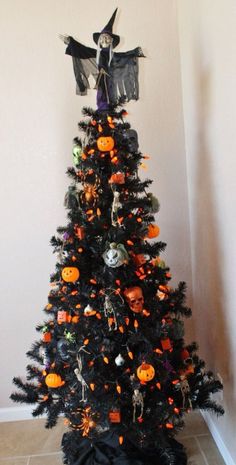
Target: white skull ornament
135	299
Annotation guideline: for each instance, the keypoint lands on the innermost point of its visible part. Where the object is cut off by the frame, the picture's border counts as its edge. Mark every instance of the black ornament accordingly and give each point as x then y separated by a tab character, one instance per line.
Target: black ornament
131	138
66	350
71	200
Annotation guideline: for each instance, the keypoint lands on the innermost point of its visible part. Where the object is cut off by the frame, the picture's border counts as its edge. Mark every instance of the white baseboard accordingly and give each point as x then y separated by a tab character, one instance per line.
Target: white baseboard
218	439
16	413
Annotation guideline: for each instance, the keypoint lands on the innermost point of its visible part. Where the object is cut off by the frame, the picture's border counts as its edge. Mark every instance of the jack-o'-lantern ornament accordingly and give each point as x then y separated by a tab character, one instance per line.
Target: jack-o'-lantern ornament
153	231
105	143
135	299
53	380
70	274
145	373
116	255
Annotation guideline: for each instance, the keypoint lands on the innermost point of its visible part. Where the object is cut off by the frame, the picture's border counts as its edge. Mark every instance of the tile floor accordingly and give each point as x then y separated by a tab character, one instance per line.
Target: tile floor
29	443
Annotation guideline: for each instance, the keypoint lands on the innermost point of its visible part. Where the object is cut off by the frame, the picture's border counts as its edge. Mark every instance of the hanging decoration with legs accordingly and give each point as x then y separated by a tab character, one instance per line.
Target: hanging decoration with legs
138	403
78	373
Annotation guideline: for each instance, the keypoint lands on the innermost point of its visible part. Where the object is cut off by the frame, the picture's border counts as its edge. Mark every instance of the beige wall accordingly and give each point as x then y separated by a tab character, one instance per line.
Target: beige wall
39	115
208	62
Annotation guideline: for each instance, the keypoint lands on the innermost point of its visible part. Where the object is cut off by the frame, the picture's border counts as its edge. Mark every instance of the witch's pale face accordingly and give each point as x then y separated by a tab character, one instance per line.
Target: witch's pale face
105	40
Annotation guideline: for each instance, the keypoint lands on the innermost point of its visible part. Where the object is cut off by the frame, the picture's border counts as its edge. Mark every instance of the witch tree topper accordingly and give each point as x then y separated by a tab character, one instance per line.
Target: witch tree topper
115	73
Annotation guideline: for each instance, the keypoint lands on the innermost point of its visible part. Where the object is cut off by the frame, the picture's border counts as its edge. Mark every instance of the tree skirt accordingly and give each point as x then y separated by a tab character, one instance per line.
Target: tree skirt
107	451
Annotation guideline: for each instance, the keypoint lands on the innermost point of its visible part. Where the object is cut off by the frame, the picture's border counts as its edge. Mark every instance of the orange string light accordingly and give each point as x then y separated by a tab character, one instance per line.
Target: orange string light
121	440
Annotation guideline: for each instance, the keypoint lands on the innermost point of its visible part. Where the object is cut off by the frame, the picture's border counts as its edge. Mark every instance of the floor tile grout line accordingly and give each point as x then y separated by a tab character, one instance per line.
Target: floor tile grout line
192	436
201	450
9	457
48	453
28	461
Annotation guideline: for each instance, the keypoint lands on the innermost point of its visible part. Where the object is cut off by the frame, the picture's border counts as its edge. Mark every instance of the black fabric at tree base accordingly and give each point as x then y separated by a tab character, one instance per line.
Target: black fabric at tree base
107	451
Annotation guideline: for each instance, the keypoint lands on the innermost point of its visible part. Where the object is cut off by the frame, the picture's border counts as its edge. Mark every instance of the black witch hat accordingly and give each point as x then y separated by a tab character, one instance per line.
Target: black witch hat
108	30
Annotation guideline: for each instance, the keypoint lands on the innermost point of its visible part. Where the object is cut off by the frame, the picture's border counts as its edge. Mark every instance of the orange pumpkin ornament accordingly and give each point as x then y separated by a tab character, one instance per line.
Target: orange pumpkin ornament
70	274
145	373
153	231
53	380
117	178
105	144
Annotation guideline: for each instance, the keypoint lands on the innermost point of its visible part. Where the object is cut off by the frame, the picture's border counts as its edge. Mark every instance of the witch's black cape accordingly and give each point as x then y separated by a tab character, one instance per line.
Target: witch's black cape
122	73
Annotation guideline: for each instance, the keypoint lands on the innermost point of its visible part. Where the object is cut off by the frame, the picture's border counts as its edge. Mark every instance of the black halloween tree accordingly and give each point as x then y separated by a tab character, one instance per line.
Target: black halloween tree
112	357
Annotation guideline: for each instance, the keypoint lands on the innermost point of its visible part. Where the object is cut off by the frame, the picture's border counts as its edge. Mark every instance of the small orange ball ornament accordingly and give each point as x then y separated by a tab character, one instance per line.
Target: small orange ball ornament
145	373
153	231
70	274
105	144
53	380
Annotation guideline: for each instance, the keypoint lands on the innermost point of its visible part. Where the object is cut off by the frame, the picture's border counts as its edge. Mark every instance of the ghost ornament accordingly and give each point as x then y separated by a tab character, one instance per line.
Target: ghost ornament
116	255
119	361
